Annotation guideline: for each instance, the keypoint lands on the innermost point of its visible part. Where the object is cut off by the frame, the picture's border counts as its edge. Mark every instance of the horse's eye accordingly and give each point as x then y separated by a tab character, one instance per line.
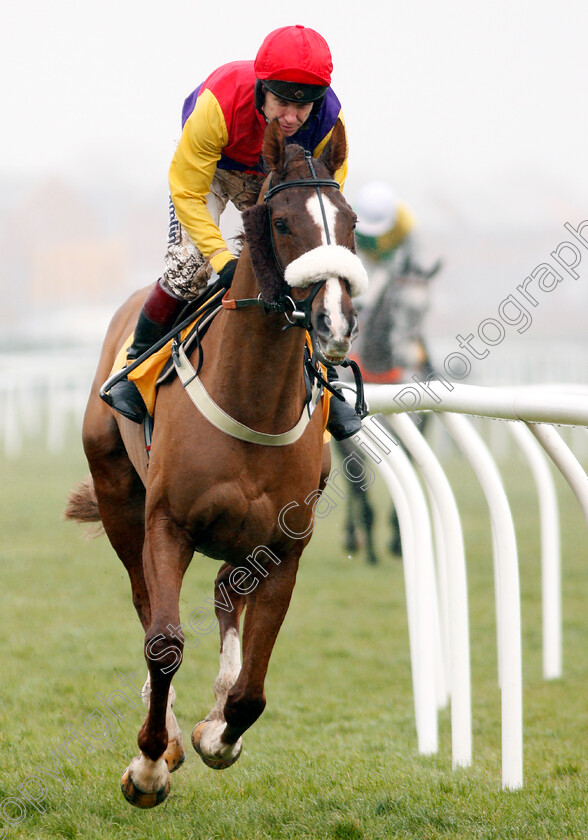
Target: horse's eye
281	226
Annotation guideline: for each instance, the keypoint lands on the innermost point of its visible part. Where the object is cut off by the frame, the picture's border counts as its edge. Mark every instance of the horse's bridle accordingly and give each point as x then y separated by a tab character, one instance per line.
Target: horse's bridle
315	183
301	310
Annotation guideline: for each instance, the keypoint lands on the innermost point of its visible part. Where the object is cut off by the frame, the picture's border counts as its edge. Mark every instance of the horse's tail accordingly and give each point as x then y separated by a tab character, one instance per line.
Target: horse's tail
82	504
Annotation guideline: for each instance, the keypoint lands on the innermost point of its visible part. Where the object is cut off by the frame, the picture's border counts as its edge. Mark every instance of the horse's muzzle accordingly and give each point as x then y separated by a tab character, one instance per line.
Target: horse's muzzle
335	336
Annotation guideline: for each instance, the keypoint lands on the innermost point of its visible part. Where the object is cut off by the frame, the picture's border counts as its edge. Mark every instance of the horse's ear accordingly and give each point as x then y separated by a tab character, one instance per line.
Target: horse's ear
256	227
335	152
274	146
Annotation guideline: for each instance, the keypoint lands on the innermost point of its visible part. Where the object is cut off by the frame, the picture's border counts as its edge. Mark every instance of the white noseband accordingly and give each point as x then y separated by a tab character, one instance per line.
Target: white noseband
327	261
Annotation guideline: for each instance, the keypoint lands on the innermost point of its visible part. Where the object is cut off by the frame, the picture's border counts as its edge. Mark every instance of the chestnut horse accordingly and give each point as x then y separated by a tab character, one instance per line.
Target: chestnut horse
208	489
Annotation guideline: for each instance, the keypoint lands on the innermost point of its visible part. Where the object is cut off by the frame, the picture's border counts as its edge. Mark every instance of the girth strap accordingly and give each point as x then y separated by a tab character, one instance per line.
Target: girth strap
222	421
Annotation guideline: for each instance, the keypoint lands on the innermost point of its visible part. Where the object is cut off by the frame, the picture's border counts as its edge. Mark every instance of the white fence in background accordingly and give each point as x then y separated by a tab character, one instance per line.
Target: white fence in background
43	397
433	548
43	394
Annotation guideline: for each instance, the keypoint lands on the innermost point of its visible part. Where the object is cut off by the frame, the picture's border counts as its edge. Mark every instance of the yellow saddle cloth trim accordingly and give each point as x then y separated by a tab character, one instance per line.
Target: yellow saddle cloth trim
146	375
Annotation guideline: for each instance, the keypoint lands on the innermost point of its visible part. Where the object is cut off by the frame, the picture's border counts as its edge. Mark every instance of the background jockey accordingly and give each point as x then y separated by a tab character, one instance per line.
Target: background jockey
217	160
384	236
391	345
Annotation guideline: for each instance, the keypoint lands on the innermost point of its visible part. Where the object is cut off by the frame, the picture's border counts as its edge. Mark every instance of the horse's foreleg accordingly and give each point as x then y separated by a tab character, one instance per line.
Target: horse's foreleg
360	503
351	542
175	753
395	538
266	608
367	516
166	555
206	734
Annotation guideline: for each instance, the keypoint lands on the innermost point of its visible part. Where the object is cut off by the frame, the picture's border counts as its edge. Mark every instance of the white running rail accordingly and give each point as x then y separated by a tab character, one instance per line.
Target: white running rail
435	566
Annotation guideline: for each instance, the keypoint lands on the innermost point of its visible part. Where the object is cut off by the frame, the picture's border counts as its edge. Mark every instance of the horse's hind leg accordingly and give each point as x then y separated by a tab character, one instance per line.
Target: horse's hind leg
245	701
206	734
120	495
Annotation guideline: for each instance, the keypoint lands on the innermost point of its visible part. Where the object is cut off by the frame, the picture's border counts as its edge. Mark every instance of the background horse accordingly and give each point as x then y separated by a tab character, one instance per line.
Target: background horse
390	350
246	504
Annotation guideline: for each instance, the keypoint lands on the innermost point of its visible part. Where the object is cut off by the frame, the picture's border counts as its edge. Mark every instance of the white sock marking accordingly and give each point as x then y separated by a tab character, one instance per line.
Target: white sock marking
230	666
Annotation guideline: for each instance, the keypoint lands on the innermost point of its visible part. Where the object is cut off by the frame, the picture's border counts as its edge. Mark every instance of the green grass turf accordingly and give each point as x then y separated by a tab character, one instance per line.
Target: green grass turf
334	755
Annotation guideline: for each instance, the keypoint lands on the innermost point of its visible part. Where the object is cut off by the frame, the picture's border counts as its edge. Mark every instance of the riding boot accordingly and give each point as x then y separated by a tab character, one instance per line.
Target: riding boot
156	318
343	422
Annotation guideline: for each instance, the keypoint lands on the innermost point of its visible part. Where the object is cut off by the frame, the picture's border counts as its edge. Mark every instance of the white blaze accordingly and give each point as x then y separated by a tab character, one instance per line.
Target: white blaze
333	287
334	309
314	208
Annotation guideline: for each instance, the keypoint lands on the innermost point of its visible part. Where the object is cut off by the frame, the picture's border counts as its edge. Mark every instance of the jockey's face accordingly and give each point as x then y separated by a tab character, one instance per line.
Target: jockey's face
290	115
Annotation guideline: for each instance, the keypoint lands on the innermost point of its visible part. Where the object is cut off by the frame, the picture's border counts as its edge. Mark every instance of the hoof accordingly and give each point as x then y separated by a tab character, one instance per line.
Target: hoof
351	545
141	798
210	731
174	755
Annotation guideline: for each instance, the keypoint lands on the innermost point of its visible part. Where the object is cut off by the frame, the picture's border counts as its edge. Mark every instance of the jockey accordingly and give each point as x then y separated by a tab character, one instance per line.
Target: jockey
384	231
385	237
217	160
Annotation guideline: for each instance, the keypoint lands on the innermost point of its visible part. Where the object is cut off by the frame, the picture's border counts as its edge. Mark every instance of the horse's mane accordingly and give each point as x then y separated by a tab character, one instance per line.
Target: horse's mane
239	240
256	233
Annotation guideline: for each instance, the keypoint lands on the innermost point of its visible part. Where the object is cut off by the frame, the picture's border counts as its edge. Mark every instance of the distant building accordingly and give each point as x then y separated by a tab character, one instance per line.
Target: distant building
55	250
77	272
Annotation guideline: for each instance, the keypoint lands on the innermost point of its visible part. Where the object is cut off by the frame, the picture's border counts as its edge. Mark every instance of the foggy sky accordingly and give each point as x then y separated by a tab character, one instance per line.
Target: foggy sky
474	111
459	93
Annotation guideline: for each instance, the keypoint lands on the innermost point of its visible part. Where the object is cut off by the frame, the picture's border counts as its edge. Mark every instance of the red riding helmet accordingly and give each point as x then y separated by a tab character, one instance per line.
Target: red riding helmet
295	63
